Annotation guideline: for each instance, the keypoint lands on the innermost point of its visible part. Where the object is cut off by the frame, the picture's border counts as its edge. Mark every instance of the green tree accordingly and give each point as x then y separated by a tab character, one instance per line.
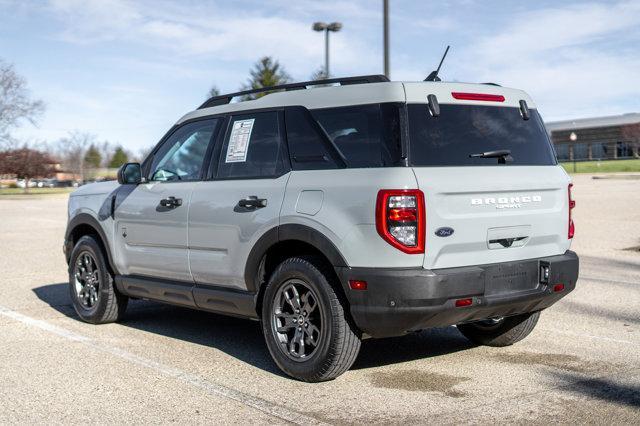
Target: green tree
118	158
213	92
93	158
265	73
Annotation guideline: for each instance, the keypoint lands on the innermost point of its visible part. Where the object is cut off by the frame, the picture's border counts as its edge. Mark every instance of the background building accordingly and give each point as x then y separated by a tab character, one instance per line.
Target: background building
597	138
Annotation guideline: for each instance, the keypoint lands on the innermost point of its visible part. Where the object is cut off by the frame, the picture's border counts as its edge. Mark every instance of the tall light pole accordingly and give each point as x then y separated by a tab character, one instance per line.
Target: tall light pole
385	21
333	27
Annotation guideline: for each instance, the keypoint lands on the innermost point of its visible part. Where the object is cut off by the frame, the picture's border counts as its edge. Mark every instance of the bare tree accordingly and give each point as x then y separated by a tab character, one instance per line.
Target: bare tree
71	151
319	74
16	105
143	153
25	163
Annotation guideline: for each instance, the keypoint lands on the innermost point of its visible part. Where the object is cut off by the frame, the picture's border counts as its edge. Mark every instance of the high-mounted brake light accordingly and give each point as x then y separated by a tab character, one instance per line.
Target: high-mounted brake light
477	97
572	204
400	219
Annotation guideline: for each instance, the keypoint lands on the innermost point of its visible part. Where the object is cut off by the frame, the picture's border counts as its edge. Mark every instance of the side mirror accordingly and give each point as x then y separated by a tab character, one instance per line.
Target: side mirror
130	173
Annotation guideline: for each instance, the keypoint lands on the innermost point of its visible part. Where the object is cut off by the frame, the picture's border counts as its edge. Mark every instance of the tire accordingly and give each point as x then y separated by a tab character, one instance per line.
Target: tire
92	289
336	341
505	332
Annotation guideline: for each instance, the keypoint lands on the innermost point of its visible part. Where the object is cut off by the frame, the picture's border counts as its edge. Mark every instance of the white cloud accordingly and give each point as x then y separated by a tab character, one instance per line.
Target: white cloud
563	57
559	27
206	31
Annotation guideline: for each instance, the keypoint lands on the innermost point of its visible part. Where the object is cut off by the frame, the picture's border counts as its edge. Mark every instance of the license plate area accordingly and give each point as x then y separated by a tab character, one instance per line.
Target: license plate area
510	278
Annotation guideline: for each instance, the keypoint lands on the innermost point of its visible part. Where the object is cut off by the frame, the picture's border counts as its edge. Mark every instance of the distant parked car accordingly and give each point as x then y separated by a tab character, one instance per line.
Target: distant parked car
55	183
21	183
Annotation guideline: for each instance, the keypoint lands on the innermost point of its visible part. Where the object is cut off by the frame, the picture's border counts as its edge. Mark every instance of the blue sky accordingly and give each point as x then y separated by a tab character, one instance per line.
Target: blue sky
126	71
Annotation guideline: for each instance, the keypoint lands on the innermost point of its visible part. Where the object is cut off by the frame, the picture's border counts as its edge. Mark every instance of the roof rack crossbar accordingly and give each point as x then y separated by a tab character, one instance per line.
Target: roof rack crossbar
227	98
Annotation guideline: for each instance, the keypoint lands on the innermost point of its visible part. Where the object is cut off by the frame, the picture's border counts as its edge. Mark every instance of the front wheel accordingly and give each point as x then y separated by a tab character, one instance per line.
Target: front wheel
91	286
304	322
500	331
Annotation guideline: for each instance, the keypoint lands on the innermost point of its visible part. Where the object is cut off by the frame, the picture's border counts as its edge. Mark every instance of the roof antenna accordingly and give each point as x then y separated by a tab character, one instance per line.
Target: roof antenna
434	74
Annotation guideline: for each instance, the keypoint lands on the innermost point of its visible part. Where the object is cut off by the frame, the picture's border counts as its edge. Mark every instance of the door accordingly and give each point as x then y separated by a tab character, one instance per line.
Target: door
151	222
230	212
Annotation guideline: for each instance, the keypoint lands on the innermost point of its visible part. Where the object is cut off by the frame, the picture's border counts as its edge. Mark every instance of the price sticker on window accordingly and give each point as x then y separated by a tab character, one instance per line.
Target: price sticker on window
239	141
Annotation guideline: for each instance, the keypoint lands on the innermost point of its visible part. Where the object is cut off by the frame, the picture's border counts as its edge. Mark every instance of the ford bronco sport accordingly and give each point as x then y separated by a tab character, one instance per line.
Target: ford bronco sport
362	208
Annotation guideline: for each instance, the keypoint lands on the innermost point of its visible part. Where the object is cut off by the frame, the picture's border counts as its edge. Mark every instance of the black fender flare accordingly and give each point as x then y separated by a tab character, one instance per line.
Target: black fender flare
288	232
87	219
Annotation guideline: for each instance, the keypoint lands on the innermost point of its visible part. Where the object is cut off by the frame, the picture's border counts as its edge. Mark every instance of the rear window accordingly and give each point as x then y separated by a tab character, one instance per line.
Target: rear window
462	130
365	135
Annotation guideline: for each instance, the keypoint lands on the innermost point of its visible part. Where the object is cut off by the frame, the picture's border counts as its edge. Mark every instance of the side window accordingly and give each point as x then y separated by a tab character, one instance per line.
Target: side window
306	147
367	135
181	156
252	147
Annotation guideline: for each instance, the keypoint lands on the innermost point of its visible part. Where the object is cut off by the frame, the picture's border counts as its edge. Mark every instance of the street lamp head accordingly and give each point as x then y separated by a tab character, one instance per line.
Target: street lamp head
334	26
319	26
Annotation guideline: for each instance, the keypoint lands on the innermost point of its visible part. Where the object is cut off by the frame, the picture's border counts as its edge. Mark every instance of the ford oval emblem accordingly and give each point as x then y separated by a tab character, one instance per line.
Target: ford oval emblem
444	232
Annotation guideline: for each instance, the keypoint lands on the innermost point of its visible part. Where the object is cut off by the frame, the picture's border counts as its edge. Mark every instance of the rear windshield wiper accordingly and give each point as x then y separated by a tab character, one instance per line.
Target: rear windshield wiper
503	155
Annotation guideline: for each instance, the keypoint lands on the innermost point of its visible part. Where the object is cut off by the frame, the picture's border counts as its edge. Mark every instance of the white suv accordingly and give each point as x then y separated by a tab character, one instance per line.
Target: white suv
362	208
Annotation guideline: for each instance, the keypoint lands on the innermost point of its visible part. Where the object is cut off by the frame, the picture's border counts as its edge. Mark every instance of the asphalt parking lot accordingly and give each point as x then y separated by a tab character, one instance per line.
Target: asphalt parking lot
167	364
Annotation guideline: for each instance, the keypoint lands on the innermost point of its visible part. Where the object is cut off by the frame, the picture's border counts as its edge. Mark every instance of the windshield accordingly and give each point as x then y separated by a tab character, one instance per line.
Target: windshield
463	130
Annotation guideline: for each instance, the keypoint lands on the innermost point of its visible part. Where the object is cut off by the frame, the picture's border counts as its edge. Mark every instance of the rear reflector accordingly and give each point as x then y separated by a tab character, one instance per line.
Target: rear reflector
477	97
460	303
358	284
558	287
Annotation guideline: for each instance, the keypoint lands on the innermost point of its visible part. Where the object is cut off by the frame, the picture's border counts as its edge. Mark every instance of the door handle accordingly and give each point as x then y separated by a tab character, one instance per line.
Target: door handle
253	202
171	202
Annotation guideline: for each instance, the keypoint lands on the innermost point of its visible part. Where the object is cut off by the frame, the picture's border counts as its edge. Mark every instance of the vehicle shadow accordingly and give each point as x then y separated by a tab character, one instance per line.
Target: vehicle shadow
603	388
243	339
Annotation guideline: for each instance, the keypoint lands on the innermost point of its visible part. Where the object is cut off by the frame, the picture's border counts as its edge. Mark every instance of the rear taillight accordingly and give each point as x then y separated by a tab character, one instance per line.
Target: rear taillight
572	204
400	219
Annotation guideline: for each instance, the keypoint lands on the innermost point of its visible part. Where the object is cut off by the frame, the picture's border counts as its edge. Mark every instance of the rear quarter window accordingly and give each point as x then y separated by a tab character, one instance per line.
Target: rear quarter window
462	130
365	135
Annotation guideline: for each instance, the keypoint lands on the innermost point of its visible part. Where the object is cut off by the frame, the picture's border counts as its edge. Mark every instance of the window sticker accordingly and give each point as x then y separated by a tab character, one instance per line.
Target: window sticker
239	141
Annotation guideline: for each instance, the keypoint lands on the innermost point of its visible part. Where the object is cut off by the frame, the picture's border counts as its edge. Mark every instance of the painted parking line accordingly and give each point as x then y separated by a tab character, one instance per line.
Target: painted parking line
208	386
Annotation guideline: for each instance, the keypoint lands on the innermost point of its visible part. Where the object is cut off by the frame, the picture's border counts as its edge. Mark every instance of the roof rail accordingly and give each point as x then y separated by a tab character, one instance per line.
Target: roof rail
225	99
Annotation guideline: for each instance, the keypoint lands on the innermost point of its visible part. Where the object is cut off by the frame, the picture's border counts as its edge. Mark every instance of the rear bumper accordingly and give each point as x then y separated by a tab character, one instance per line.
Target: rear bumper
400	300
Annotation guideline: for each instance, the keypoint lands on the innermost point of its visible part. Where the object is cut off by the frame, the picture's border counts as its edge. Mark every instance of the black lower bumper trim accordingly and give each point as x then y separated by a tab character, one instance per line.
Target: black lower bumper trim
400	300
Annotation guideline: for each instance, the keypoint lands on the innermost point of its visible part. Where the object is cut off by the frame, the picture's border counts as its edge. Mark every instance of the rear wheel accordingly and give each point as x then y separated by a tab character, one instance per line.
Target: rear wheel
91	285
502	331
304	322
